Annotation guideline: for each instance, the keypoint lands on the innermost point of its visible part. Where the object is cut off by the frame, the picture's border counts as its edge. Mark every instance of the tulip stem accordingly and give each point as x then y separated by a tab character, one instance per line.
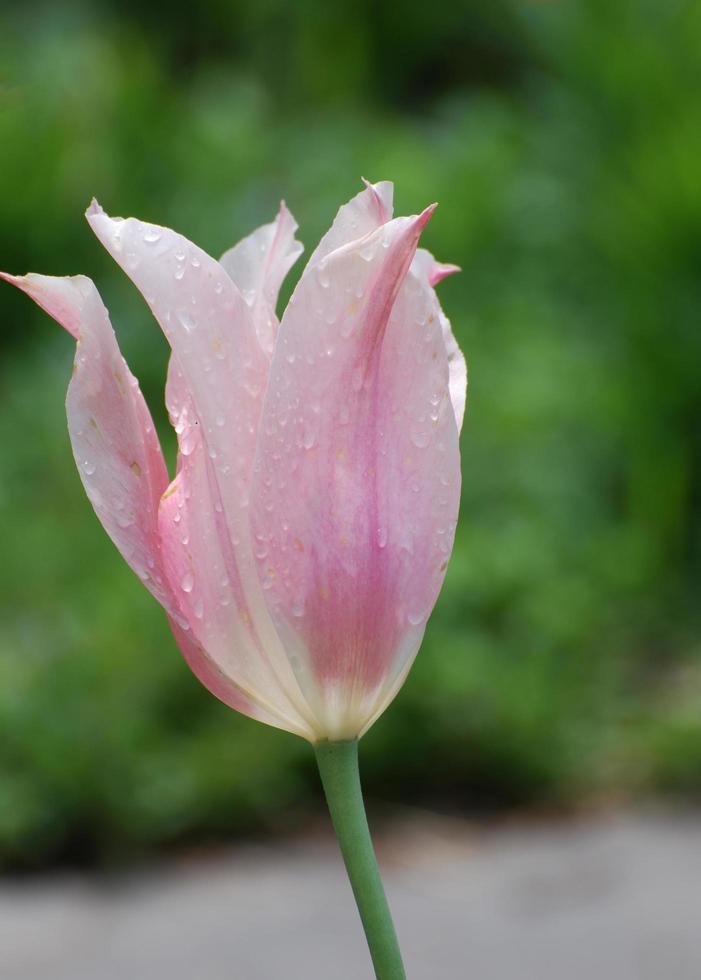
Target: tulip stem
340	776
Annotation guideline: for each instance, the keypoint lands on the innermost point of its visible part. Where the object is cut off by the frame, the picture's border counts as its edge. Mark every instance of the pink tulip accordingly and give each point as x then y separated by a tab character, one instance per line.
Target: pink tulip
301	546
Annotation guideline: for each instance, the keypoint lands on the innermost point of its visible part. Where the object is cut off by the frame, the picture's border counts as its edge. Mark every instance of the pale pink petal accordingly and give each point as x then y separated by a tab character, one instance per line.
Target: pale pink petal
362	215
258	266
224	373
115	445
201	565
356	481
222	686
426	267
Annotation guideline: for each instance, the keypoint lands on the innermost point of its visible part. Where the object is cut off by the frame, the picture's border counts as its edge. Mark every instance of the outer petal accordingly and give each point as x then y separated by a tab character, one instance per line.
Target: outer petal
362	215
258	266
114	442
426	267
119	458
221	686
201	566
356	482
211	331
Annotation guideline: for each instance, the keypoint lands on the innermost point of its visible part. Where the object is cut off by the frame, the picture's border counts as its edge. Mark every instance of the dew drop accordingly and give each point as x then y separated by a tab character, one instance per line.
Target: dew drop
322	275
179	272
187	320
308	437
381	537
89	467
416	618
188	582
152	235
420	438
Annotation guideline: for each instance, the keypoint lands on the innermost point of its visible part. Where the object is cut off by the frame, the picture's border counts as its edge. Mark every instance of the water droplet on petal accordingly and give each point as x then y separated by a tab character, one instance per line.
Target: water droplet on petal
187	320
322	275
152	235
308	437
420	438
368	251
188	582
89	467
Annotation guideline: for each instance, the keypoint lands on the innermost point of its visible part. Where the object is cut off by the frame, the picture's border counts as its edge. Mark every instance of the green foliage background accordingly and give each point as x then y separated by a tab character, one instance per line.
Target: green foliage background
563	142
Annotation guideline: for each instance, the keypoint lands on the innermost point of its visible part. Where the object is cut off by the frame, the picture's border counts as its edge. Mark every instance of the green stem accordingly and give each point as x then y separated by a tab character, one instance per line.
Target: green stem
338	766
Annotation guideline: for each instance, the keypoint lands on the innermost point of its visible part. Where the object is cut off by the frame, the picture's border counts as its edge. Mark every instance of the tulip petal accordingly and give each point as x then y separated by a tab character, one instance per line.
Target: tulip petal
221	686
224	373
115	445
426	266
202	569
356	484
363	214
258	265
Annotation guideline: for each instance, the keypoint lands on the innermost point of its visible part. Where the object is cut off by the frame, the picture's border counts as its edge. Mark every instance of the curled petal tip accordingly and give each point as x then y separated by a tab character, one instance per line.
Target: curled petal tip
441	270
376	189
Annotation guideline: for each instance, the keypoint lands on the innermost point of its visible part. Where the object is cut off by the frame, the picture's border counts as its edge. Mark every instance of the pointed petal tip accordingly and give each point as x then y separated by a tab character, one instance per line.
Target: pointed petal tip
372	185
93	208
284	214
8	277
441	270
382	194
421	220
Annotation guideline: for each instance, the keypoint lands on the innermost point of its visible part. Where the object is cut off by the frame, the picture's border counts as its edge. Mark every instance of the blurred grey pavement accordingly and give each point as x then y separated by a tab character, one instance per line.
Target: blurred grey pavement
609	897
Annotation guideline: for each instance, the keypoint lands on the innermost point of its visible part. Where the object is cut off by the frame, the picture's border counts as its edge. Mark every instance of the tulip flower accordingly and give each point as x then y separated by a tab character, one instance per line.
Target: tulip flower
303	541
